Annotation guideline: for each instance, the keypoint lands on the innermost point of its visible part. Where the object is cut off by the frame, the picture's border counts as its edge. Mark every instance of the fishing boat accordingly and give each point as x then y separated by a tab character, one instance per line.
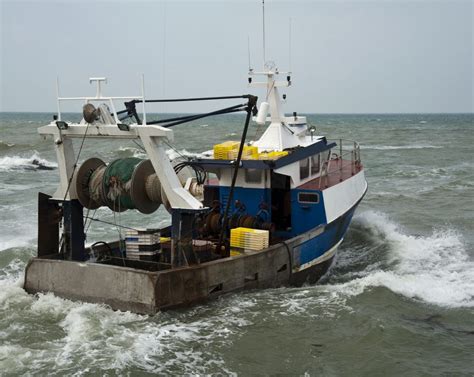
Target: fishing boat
244	215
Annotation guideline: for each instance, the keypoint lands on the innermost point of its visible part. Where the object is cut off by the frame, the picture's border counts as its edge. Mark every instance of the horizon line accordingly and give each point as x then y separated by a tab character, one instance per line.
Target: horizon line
302	112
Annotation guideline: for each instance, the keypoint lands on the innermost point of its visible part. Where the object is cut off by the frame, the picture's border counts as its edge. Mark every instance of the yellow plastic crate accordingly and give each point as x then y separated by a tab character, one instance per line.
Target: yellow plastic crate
274	155
248	238
250	152
277	154
229	150
224	150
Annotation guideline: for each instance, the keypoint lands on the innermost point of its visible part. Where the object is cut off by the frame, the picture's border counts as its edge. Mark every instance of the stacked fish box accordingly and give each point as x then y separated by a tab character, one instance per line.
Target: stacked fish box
248	153
143	244
226	150
249	239
229	150
274	155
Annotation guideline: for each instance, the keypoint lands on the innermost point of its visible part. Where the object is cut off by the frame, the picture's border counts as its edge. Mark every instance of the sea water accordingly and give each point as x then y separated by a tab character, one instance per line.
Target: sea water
398	301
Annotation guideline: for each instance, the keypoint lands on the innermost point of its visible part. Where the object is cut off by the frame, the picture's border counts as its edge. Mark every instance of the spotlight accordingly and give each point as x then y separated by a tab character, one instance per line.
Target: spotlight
123	127
62	125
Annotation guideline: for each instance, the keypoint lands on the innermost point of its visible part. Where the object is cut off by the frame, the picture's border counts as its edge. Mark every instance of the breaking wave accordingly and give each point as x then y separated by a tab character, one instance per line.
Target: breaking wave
5	145
124	152
15	242
172	154
8	163
92	336
435	269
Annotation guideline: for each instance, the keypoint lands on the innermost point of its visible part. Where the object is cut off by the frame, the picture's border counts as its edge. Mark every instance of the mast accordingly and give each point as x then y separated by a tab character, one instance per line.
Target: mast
263	31
283	132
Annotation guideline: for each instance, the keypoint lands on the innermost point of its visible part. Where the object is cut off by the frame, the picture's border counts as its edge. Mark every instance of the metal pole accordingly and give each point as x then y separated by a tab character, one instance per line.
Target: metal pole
57	96
340	160
251	103
352	161
263	24
143	96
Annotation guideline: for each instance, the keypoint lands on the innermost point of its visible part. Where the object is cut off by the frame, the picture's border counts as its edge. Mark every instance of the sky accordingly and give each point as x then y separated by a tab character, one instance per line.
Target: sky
346	56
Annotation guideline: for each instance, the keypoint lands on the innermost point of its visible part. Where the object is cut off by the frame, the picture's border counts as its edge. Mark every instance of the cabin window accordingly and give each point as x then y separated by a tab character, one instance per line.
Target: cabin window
304	168
308	197
253	176
315	164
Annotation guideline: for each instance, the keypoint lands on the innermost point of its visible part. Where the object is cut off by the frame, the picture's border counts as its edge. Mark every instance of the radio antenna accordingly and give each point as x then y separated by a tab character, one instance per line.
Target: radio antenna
263	24
289	46
57	98
163	56
248	51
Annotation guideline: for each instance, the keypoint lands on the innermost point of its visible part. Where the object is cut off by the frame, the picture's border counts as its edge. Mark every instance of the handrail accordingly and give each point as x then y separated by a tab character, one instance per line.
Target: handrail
338	161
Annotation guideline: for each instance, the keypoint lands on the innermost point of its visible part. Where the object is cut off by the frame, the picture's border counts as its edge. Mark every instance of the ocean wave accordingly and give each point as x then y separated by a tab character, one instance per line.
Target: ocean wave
34	162
96	337
15	231
16	242
397	147
14	188
176	154
435	269
124	152
173	154
5	145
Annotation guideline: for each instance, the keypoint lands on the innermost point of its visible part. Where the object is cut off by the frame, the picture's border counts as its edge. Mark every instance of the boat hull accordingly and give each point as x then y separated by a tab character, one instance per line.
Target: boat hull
147	292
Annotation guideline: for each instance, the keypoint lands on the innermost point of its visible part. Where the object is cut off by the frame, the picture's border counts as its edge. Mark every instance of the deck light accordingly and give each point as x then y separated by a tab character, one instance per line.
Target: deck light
61	125
312	131
123	127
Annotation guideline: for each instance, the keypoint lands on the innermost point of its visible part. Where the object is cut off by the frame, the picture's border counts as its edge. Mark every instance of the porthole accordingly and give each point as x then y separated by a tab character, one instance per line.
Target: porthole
308	197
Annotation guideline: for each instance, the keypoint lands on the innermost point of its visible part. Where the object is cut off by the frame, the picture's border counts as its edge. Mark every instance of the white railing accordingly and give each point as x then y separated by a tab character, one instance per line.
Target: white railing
342	160
100	98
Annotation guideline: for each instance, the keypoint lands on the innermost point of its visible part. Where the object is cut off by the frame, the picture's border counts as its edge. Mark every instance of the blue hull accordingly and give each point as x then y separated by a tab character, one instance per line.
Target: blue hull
313	258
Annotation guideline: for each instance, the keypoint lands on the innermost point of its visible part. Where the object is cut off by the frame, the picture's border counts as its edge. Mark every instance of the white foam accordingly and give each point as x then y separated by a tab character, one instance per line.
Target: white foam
6	144
117	340
435	269
14	231
8	163
6	244
174	154
97	337
135	152
11	286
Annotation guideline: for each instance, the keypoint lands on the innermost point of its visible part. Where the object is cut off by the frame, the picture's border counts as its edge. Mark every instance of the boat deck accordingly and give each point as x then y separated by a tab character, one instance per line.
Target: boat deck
339	170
